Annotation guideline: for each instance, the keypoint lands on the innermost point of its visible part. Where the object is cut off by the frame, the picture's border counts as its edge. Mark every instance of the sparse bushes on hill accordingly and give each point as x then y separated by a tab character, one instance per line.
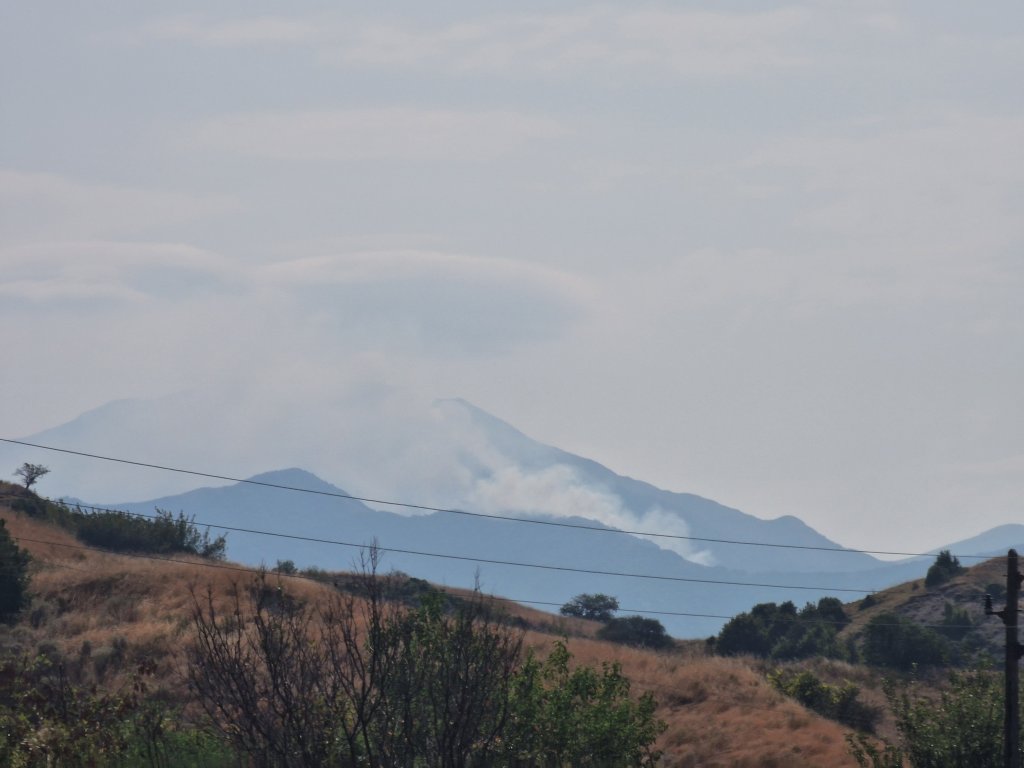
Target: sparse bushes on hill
46	720
163	534
358	679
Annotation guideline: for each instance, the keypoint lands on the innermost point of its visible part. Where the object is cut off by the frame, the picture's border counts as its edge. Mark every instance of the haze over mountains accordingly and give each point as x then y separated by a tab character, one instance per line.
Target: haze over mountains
456	456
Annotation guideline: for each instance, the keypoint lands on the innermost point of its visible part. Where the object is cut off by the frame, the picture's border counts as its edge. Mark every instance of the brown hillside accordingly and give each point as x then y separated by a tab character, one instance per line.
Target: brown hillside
103	612
926	605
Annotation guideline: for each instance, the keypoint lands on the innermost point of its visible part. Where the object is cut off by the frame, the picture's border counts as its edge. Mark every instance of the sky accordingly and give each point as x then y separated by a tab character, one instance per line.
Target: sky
769	253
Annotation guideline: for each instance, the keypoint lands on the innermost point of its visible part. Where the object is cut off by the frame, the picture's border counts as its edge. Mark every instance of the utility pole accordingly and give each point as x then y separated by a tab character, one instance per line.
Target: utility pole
1014	651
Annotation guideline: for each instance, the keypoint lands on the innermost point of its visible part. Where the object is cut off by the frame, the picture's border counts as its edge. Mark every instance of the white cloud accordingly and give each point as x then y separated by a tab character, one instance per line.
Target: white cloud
429	301
686	43
392	265
939	175
110	271
393	133
47	205
261	30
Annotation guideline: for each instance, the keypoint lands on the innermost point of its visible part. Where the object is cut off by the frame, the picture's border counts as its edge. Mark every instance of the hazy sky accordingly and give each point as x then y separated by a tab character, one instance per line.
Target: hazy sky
770	253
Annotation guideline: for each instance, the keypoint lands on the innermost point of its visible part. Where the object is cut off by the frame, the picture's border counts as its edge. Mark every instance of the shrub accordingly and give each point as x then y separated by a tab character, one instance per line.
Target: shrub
892	641
636	631
13	576
962	729
868	601
836	702
162	534
945	567
956	622
47	720
580	718
782	632
358	679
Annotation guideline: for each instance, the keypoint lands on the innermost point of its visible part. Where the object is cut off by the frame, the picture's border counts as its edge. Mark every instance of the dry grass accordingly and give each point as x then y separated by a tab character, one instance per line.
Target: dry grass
721	713
95	607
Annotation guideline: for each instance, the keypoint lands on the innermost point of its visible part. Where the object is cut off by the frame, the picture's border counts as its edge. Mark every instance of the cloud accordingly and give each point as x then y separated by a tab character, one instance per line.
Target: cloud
392	133
429	301
110	271
914	211
46	205
938	177
681	43
558	492
262	30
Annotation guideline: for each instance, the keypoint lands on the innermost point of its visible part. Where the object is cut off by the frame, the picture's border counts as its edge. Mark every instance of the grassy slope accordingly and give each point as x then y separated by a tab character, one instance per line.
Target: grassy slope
912	600
720	712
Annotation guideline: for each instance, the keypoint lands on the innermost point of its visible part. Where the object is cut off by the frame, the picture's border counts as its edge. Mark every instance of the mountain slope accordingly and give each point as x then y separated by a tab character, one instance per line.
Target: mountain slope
454	549
128	611
703	517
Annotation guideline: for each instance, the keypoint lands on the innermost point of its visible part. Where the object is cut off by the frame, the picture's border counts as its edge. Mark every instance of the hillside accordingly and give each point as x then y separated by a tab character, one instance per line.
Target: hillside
101	613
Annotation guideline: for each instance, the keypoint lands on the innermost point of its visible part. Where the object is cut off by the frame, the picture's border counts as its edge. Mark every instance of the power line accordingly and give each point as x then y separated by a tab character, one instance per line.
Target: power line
514	563
447	510
303	577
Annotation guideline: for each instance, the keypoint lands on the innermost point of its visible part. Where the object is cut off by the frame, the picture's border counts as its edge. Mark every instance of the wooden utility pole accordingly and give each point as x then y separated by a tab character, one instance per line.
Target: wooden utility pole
1014	650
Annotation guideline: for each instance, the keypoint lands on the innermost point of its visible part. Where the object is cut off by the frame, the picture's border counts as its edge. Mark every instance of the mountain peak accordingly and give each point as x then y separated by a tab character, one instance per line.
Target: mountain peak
294	477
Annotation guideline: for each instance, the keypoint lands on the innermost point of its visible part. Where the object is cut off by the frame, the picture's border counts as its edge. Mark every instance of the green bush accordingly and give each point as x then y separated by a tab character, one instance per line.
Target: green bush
836	702
961	729
637	631
945	567
46	720
163	534
358	679
892	641
580	718
783	632
13	576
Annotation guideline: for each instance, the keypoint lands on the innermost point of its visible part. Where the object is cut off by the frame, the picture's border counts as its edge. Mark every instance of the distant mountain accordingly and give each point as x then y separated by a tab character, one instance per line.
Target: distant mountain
992	542
466	541
704	519
450	455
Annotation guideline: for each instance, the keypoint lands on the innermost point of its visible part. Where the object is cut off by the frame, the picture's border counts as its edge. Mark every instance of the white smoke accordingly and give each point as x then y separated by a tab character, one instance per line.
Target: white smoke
559	492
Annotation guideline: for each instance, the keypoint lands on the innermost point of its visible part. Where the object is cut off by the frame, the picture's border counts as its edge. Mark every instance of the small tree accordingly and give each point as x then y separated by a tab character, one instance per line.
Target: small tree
594	607
30	473
945	567
13	576
637	631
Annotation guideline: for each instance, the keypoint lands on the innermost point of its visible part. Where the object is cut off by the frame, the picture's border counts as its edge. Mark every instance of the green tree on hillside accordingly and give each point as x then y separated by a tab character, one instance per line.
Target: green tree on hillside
13	576
783	632
945	567
596	607
892	641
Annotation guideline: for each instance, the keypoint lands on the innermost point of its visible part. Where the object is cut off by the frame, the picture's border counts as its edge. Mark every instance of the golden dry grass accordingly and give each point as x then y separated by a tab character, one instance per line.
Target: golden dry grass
720	712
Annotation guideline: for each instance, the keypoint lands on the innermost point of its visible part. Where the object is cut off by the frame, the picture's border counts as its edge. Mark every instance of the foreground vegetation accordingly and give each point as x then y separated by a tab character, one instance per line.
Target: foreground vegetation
97	664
